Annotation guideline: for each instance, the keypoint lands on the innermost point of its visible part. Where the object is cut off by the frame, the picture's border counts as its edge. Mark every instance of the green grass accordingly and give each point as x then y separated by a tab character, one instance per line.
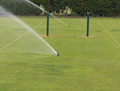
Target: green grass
84	64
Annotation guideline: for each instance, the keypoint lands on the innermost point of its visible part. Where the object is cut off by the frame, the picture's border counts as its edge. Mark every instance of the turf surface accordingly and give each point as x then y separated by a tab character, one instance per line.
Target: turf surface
85	63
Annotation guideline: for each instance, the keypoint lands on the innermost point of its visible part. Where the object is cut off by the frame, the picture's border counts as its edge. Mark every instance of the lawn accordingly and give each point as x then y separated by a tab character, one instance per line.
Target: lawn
85	63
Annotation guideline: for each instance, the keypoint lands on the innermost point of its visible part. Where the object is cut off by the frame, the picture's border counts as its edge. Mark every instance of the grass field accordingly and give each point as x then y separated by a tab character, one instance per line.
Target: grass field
85	63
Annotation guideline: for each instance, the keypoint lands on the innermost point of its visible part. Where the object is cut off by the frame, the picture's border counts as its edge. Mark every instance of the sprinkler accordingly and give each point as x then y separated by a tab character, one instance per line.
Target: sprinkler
57	54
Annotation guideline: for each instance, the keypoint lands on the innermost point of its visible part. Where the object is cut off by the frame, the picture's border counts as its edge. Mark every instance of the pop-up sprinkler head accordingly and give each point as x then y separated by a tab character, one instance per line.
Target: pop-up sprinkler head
57	54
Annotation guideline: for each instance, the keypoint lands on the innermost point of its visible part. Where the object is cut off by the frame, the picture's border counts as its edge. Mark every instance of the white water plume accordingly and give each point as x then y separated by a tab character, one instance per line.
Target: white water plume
18	37
46	12
25	7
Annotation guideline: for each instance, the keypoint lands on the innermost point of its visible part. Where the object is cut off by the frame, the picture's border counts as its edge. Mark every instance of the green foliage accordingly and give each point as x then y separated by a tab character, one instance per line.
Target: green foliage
20	7
79	7
95	7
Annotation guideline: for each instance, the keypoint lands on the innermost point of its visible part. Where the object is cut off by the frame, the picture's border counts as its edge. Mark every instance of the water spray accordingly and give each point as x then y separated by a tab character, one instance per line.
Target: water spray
47	12
27	36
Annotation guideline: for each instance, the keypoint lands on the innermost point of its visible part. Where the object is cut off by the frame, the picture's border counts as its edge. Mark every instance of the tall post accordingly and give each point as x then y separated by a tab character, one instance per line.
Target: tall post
87	24
47	23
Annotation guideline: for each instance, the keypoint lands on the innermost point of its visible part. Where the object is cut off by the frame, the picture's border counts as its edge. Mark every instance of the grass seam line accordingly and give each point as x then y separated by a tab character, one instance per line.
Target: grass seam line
109	34
38	25
7	28
18	38
14	40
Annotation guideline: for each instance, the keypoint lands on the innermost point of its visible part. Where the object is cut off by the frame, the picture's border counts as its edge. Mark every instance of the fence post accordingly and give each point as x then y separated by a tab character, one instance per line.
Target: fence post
47	23
87	24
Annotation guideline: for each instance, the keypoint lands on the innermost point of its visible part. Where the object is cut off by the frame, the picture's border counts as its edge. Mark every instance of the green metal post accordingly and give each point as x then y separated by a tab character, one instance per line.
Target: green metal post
87	24
47	23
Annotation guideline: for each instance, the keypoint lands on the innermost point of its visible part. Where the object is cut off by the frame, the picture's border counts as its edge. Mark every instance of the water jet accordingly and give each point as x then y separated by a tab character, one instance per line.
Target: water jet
21	38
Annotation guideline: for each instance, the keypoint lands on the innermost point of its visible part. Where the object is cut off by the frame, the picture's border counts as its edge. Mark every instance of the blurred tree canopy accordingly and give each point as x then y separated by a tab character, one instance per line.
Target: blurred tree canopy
61	7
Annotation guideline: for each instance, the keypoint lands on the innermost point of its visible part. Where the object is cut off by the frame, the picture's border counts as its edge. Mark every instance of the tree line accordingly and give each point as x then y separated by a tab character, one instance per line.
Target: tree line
81	7
61	7
20	7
